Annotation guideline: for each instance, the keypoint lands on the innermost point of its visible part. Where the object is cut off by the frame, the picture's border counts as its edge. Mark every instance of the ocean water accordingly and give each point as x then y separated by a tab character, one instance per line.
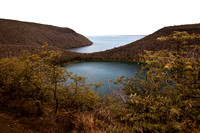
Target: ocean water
102	43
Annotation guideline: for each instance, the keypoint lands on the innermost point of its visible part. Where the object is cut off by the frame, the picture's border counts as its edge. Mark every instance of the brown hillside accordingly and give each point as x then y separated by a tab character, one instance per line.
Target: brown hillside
17	50
132	50
32	34
128	52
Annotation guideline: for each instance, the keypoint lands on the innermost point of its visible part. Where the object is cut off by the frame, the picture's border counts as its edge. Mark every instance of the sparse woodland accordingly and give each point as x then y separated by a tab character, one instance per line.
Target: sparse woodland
163	97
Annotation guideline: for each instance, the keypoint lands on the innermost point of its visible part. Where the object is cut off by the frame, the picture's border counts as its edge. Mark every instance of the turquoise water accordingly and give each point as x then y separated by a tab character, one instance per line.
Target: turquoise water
101	43
102	72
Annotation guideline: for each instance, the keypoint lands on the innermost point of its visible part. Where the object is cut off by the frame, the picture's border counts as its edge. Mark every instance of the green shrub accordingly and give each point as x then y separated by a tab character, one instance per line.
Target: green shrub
165	95
35	82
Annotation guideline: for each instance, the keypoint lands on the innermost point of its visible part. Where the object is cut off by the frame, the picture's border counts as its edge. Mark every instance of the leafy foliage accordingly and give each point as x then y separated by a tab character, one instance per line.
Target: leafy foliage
34	85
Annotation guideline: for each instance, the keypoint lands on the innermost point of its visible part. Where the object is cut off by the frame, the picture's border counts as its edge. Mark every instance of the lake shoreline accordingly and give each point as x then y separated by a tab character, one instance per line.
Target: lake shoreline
80	61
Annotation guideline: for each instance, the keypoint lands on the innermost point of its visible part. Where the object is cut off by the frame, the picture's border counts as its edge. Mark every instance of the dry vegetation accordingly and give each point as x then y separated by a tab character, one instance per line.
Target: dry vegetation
163	97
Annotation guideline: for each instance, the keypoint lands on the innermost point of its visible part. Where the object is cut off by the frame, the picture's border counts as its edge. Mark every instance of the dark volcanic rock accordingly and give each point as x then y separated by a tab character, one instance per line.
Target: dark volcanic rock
32	34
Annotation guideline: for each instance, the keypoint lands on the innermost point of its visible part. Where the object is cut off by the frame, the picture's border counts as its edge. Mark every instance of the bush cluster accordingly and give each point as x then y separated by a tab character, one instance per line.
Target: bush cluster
165	95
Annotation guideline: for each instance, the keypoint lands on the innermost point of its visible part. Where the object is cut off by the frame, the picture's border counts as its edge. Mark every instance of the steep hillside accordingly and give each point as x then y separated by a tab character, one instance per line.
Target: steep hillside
32	34
131	51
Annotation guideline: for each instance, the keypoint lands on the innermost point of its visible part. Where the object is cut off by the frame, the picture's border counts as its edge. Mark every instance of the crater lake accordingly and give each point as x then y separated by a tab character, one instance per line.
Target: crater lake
102	72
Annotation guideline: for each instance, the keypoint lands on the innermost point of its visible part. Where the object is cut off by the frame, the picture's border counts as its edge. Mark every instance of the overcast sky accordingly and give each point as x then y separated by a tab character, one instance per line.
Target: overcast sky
104	17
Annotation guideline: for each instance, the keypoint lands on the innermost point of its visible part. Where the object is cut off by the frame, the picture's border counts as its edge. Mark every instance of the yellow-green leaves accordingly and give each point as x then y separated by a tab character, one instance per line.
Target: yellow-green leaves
37	80
180	37
166	92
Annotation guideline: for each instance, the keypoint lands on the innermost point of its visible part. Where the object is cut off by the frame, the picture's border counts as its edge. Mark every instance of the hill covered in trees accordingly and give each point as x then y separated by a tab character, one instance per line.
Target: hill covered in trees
16	36
131	51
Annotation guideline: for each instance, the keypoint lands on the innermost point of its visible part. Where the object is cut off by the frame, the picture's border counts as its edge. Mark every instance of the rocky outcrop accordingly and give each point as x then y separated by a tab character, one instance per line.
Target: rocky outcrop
31	34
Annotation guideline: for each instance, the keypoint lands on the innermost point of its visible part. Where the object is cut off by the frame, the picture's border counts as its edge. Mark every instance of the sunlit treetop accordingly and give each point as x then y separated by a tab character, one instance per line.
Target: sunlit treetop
180	37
